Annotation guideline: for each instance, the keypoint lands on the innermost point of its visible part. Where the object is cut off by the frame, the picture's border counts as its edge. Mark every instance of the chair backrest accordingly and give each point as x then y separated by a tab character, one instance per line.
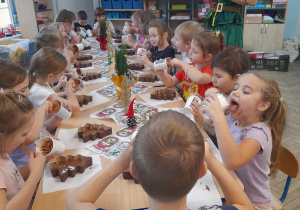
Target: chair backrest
288	163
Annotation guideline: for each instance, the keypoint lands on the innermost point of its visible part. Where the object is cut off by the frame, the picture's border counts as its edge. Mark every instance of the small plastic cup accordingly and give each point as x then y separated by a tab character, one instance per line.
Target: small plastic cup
139	50
89	33
77	47
85	43
224	105
191	98
72	33
82	33
59	110
78	85
162	64
49	146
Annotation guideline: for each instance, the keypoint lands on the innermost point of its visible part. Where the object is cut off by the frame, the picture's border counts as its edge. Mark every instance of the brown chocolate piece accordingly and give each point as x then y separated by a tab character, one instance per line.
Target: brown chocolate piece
136	66
75	49
84	99
69	166
85	58
148	78
92	75
76	82
130	52
82	64
87	48
117	41
93	131
127	175
47	146
163	94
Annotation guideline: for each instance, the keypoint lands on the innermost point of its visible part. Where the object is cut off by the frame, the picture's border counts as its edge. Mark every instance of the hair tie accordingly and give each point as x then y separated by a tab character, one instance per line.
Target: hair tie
281	99
1	91
218	33
20	97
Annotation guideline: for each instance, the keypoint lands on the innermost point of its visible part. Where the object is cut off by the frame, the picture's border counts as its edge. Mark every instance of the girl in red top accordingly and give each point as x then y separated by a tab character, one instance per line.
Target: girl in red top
196	76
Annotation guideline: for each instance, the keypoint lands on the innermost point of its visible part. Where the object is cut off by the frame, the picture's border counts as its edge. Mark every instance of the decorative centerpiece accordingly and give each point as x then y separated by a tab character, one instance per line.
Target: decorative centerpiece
131	120
102	35
109	45
123	78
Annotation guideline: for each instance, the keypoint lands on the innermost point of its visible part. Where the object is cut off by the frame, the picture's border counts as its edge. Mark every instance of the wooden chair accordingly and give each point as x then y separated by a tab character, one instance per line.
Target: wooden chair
288	164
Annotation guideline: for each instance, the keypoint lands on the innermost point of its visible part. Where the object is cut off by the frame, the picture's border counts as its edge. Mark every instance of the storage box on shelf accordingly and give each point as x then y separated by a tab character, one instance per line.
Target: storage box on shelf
272	64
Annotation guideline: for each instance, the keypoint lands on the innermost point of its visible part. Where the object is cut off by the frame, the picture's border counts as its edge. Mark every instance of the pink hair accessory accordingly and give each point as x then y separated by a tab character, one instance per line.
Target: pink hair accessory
1	90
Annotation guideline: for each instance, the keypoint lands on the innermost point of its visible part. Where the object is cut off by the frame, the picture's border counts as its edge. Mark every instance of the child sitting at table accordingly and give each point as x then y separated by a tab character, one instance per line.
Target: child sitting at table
16	119
249	138
167	162
132	30
82	22
100	15
160	36
14	77
196	76
226	67
68	18
47	67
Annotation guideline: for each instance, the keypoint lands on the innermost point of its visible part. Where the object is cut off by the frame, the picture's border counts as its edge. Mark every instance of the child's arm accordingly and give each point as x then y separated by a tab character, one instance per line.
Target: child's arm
144	57
234	194
22	200
193	73
96	28
68	55
72	99
234	156
167	79
52	123
61	82
85	196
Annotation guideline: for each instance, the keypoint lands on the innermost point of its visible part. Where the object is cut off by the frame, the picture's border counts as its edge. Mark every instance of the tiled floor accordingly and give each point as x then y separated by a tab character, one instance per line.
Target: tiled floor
289	83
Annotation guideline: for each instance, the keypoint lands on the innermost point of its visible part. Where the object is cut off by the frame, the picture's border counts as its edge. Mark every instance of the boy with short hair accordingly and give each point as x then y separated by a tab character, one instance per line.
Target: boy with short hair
167	161
82	22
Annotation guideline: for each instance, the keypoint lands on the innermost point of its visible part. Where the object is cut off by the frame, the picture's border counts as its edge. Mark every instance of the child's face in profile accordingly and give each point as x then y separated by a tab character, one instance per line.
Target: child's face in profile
69	26
22	88
82	22
179	44
20	134
223	81
64	33
135	22
153	36
196	54
101	18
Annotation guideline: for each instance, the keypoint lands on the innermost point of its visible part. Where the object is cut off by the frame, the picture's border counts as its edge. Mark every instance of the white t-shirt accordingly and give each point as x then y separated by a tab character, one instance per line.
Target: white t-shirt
39	94
10	177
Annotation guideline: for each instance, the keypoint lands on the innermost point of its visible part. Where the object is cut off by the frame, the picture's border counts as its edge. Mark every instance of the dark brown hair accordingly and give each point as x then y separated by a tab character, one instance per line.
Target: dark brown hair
210	42
11	74
47	40
162	27
82	15
14	110
233	61
99	11
146	16
136	14
168	159
65	16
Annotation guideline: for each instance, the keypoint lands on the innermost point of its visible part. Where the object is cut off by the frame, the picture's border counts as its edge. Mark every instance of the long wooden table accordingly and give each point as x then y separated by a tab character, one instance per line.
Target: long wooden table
120	194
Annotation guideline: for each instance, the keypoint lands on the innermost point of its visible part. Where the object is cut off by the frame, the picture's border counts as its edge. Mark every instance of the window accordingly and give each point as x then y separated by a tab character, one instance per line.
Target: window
5	16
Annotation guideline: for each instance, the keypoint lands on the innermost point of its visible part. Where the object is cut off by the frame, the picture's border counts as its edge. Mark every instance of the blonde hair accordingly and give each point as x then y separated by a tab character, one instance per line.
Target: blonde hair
187	30
168	160
52	29
48	40
11	74
274	116
14	112
210	42
46	61
162	27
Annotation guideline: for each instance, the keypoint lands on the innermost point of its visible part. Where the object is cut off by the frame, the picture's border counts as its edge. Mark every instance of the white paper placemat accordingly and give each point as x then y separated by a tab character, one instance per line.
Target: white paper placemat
71	140
203	193
53	184
154	102
97	100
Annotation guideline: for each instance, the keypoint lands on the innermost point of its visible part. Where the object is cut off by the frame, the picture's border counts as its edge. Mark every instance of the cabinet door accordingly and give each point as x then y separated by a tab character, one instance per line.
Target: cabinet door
253	37
273	37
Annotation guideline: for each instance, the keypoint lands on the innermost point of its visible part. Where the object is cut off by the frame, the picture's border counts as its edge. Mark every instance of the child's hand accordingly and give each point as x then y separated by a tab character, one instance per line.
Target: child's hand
70	85
66	104
211	91
126	155
196	113
47	105
175	62
212	107
143	57
160	72
209	157
62	81
36	162
137	45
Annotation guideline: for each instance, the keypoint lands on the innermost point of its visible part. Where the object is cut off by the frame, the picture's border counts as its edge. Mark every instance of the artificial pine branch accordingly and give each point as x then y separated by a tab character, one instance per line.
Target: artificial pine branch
121	66
102	28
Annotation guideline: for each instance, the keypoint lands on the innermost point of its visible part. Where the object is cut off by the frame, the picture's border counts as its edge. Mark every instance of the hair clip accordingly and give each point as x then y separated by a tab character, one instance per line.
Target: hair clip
20	97
281	99
218	33
1	91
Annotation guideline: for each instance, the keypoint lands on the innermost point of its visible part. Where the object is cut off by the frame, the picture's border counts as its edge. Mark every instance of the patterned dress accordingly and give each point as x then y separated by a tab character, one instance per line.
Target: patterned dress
230	23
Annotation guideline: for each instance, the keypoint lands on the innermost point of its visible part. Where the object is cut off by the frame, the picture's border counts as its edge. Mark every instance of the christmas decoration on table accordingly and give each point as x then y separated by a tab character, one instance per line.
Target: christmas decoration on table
131	120
109	44
102	35
122	78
